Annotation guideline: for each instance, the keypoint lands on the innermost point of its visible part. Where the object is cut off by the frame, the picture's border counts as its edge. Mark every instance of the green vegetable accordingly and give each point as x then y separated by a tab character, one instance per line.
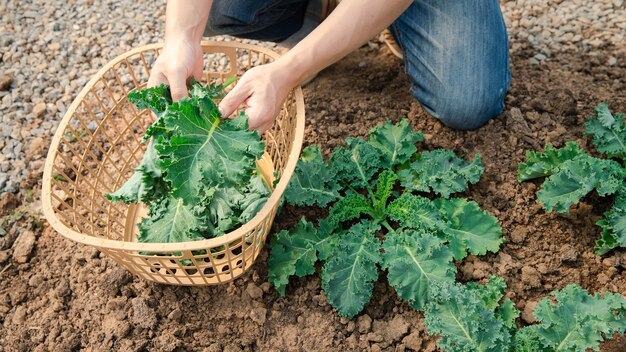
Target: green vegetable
442	172
198	175
571	174
371	221
476	318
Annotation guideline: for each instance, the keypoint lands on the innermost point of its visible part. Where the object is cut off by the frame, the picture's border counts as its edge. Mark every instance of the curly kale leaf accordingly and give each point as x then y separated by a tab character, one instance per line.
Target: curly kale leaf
295	253
348	276
415	261
576	178
468	228
356	164
442	172
609	132
384	189
171	220
463	320
415	212
395	142
613	226
491	294
156	99
547	163
146	184
350	207
205	150
313	183
576	321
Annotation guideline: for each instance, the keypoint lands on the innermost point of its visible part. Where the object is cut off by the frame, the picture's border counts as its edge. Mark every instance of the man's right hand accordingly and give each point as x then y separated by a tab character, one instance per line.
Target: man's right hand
179	59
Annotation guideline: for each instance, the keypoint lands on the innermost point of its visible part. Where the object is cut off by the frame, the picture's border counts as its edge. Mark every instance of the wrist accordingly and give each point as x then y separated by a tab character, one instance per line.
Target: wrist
294	67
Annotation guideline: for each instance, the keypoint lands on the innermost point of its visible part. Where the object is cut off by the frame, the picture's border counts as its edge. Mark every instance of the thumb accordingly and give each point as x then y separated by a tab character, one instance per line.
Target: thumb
178	86
233	99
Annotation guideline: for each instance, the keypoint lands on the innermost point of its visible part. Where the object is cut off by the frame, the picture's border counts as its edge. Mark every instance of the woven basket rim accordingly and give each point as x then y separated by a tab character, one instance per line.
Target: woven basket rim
232	236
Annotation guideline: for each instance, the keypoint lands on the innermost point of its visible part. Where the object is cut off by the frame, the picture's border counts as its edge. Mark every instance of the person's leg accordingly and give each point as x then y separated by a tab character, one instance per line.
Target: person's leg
269	20
456	55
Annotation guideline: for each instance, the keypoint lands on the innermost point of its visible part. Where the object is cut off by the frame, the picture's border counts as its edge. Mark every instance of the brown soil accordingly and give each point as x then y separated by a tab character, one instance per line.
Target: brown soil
69	297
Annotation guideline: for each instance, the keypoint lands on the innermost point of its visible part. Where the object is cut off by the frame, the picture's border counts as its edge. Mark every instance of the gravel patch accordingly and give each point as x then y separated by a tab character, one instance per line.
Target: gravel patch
50	49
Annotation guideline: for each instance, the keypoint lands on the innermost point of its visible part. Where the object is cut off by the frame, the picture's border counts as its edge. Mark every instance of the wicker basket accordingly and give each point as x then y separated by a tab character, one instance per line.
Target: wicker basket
98	144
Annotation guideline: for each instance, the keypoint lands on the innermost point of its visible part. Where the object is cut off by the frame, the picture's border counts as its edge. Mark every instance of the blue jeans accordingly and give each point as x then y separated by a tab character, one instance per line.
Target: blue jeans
455	51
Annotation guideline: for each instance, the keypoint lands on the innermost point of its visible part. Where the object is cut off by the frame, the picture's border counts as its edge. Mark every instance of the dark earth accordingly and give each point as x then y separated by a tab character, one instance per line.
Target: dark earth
67	297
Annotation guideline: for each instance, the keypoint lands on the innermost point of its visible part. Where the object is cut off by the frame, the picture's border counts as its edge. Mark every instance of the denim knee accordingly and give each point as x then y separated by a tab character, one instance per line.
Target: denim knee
267	20
467	110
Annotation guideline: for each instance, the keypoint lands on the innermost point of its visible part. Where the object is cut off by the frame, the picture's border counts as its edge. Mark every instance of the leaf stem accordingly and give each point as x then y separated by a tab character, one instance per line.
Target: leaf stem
386	225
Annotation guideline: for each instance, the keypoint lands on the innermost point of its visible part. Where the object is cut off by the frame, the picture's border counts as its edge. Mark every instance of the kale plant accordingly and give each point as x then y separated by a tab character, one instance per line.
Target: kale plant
571	174
198	175
380	216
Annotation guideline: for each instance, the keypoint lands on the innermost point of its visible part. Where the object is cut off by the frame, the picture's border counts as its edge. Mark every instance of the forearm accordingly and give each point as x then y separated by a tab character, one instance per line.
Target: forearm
186	19
348	27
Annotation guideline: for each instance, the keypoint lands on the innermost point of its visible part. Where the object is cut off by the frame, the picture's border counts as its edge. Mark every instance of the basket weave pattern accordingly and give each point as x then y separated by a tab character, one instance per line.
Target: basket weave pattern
99	142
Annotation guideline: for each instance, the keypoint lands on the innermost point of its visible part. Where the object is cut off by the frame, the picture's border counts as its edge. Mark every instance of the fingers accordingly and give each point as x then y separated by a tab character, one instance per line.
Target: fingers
178	85
156	78
233	99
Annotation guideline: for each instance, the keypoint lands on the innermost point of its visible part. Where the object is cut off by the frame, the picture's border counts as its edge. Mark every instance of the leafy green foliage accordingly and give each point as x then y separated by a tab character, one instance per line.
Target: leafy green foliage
171	221
146	183
613	226
442	172
205	150
464	321
198	174
547	163
609	132
356	165
576	178
577	320
420	237
313	182
416	260
348	276
469	229
396	142
572	174
293	253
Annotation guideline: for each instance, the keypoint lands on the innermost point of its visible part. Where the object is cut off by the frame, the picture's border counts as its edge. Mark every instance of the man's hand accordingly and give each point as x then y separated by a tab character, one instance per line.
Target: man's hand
179	60
181	56
264	89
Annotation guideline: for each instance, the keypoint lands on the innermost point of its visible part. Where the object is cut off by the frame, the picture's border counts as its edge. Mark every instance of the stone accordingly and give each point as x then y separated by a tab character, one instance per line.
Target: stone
254	291
23	247
258	315
364	323
527	312
143	316
39	110
5	82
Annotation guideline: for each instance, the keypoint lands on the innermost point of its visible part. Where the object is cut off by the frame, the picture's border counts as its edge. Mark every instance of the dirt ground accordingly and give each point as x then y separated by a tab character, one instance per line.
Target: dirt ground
70	297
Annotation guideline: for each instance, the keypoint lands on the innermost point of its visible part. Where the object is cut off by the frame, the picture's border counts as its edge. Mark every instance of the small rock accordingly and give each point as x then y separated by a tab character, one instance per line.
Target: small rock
258	315
375	337
4	256
533	61
364	323
5	82
175	315
531	277
396	329
39	110
143	316
413	341
36	148
527	313
569	254
540	57
23	247
115	279
254	291
8	202
518	235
